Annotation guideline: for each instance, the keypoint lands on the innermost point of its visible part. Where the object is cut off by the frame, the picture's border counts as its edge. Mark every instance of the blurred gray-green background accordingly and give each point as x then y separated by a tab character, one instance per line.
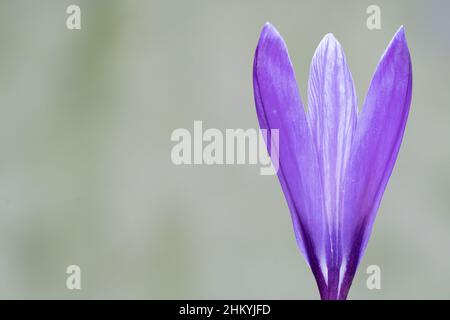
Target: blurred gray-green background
85	171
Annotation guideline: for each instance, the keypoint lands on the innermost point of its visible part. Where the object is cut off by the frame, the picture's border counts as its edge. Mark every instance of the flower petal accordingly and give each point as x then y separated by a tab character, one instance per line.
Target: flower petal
279	106
375	147
332	115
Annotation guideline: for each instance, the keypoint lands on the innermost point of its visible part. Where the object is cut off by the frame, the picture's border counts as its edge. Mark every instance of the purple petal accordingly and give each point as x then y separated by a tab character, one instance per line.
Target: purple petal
279	106
332	111
375	147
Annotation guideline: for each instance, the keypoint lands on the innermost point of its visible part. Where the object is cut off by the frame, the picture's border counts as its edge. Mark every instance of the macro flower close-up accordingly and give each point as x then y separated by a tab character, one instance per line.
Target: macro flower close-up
334	161
225	159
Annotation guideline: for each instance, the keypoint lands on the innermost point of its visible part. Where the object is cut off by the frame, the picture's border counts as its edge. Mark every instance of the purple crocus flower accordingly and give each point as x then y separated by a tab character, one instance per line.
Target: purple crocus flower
334	162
